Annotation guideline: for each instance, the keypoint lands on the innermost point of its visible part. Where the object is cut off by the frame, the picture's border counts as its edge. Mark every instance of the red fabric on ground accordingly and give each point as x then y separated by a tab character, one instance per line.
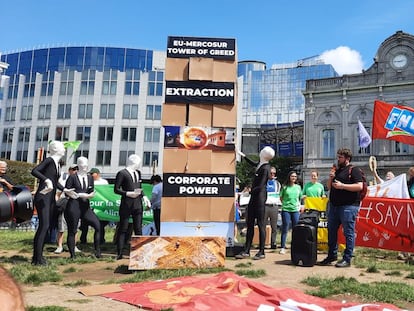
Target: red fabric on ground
227	291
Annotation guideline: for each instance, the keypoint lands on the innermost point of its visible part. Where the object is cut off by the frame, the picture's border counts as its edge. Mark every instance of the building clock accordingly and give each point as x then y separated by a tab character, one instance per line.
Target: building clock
399	61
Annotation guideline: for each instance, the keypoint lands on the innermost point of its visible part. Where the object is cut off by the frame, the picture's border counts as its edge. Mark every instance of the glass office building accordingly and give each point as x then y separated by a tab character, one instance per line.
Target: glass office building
108	98
273	103
3	66
275	96
111	99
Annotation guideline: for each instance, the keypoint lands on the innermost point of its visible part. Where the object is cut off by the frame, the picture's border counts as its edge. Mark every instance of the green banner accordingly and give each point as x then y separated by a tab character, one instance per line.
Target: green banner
106	203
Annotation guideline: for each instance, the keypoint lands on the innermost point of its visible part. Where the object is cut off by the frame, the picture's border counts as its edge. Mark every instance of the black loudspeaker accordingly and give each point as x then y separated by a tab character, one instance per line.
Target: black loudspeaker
309	217
17	203
234	250
304	245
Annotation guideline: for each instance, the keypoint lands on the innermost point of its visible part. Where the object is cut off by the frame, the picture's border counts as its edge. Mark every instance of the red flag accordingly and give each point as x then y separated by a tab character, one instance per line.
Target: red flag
228	291
393	122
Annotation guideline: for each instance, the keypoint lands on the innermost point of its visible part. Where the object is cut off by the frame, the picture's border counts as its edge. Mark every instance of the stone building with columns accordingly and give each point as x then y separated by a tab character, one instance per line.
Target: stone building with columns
333	107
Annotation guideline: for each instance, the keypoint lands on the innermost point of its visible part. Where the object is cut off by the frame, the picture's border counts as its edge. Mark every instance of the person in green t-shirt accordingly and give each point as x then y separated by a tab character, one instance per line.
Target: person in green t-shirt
313	188
290	196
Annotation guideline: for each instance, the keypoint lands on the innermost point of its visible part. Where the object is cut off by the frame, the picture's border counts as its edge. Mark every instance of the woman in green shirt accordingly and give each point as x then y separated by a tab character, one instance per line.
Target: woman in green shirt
313	188
290	196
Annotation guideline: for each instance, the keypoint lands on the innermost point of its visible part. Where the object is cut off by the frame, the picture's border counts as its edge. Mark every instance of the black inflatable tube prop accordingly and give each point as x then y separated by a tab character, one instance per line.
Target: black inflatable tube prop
17	203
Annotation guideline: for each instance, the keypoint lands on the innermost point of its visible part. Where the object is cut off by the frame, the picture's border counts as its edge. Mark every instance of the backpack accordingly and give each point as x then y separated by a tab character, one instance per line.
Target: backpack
363	192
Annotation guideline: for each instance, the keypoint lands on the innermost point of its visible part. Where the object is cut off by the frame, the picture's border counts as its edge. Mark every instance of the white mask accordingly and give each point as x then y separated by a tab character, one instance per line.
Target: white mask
82	164
133	162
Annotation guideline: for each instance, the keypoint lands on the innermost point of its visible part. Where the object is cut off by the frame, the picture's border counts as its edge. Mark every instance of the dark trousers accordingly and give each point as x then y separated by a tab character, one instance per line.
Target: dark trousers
346	216
255	214
44	204
272	215
124	214
84	227
81	210
157	219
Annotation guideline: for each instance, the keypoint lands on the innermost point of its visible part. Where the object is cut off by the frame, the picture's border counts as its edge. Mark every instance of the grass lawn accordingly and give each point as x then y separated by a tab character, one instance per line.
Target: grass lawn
16	250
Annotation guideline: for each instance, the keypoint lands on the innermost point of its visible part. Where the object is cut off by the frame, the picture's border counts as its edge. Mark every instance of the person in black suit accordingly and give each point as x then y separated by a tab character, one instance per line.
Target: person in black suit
47	172
78	206
256	206
128	185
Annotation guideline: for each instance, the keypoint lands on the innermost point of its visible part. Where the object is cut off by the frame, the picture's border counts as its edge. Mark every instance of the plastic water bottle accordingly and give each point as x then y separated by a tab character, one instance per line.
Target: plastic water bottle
35	222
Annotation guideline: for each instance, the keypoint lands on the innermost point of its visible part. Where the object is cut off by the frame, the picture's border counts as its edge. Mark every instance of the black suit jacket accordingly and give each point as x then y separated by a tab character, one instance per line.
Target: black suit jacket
73	182
47	170
259	185
125	183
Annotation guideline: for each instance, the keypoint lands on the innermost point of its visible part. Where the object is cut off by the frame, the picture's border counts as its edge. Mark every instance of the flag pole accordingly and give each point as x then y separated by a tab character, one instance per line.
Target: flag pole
38	160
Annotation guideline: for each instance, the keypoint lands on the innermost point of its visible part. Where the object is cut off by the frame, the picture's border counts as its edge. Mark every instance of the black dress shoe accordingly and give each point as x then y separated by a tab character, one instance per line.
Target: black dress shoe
119	257
242	255
98	254
41	262
327	261
343	264
273	246
259	255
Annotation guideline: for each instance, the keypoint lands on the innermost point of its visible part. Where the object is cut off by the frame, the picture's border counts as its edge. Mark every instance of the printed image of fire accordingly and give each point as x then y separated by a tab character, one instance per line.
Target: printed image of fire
194	138
198	138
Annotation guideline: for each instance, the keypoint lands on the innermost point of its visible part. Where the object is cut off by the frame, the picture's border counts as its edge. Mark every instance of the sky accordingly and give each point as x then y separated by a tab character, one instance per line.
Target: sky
347	34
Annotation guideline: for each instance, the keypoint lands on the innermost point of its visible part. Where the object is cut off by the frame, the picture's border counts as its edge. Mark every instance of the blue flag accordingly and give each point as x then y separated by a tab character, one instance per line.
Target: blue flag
364	137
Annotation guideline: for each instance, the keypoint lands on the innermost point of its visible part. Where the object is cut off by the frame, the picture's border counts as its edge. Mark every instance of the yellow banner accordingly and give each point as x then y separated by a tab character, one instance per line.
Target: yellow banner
321	204
317	204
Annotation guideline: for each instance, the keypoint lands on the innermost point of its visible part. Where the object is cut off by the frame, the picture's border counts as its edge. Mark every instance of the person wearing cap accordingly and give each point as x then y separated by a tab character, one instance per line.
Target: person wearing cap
97	180
73	167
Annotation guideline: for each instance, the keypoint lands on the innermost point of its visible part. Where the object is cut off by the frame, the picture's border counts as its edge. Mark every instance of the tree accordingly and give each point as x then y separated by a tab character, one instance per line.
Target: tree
245	172
20	173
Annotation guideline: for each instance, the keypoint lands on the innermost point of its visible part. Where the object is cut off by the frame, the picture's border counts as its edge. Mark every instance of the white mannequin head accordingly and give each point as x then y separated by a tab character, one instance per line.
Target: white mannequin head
133	162
56	148
82	163
266	154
